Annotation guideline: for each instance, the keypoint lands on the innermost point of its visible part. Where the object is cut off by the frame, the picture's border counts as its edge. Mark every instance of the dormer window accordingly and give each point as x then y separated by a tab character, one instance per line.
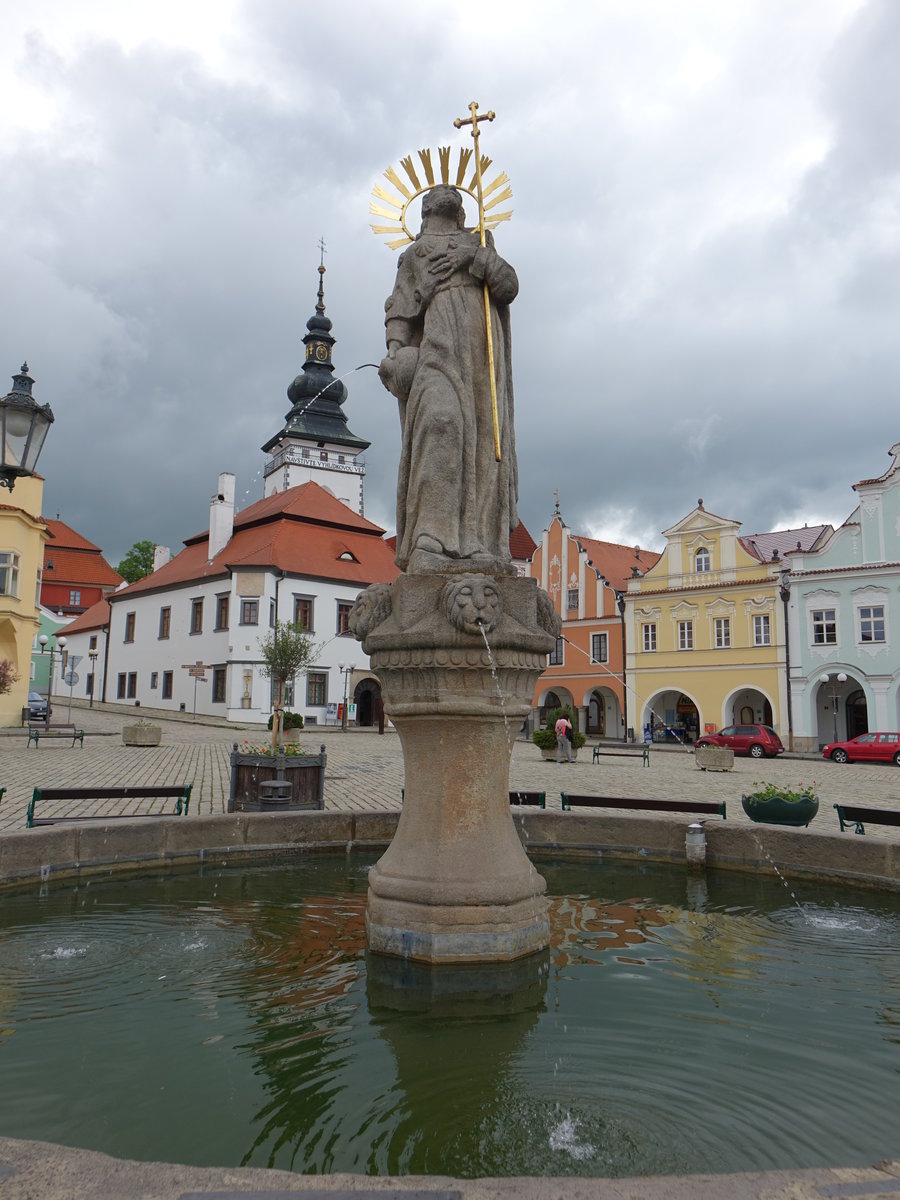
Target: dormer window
347	557
702	561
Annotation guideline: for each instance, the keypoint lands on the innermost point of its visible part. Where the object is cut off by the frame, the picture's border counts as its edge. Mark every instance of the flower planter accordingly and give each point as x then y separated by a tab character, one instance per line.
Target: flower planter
305	773
714	758
780	810
550	755
141	735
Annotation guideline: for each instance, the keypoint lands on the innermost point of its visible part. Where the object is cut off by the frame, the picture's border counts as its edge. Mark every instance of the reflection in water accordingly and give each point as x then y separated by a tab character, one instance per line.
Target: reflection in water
650	1038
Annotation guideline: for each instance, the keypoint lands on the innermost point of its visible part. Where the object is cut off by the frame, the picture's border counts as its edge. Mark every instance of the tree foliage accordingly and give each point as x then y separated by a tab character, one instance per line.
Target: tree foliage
138	562
285	651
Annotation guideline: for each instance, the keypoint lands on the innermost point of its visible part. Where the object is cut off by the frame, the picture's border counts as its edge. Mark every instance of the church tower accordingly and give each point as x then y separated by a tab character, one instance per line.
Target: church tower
315	443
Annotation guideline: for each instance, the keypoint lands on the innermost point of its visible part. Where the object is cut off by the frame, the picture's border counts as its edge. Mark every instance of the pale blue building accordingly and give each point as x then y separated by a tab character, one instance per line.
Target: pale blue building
844	610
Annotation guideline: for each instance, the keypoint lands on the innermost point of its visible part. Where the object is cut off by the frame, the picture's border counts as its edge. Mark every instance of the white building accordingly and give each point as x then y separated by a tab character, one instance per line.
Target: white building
187	637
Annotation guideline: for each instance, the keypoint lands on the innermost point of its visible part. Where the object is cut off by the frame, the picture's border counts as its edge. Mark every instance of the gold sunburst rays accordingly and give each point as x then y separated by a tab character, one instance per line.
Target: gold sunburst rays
421	177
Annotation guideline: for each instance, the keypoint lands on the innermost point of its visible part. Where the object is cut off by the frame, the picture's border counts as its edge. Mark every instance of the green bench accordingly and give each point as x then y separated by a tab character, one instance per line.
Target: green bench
642	752
180	793
538	798
35	732
670	806
854	814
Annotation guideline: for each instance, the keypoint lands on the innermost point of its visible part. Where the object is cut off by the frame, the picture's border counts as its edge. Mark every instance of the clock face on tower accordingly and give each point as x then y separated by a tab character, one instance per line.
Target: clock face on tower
321	353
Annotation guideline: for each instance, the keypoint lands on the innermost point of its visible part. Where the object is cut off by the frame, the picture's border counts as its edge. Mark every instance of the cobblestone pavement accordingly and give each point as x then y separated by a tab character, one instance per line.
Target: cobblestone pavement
365	771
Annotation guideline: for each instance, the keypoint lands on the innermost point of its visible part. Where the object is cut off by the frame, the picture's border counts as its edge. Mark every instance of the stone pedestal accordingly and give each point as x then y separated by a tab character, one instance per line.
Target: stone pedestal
455	884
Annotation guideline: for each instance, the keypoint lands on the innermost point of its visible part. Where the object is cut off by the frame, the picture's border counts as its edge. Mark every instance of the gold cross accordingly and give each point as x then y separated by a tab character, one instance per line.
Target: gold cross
474	119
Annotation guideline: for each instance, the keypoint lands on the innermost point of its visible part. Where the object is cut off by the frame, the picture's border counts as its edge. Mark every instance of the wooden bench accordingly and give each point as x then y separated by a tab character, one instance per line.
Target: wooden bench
538	798
671	806
853	814
181	794
35	732
642	752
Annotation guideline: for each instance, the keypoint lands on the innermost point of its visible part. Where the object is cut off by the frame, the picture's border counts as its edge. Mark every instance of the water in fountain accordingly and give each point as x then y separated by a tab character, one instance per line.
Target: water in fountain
245	998
497	683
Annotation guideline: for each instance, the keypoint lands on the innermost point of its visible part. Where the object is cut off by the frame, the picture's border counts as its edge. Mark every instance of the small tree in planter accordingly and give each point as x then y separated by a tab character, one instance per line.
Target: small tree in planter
545	739
285	651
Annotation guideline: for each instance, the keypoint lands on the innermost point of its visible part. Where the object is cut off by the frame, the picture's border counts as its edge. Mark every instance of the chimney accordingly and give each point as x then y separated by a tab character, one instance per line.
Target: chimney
161	555
221	515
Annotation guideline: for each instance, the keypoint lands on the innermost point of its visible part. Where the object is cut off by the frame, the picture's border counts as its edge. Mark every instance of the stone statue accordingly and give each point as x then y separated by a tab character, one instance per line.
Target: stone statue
456	504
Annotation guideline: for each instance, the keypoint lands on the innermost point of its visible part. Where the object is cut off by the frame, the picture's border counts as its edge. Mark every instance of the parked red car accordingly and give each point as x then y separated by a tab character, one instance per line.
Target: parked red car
867	747
759	741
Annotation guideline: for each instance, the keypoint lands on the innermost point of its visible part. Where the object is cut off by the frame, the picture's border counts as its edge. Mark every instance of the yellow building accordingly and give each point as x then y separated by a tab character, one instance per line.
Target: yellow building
22	537
705	630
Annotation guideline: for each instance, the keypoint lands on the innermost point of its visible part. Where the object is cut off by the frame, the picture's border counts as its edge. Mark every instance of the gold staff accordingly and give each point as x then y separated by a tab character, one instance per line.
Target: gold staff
458	124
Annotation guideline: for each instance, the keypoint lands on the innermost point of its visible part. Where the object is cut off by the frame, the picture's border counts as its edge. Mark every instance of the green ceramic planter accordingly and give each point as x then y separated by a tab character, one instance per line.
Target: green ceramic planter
780	810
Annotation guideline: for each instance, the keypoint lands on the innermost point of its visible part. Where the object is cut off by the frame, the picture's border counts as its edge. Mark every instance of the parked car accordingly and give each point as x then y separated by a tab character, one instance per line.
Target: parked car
37	706
867	747
759	741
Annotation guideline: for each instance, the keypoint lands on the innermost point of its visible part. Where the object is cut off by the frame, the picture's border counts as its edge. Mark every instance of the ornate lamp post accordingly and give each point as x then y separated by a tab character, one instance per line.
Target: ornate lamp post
23	428
60	647
839	678
346	670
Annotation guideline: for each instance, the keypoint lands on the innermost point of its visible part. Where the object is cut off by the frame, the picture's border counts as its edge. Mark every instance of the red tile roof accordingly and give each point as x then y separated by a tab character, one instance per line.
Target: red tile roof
615	562
73	567
305	531
521	544
65	535
92	618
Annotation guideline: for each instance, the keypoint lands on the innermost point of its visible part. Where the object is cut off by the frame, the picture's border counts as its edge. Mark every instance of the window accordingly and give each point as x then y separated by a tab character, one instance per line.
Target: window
89	684
572	598
197	616
129	627
316	688
120	686
723	632
74	597
762	635
272	614
555	658
132	684
343	618
92	644
165	622
323	455
871	623
154	680
167	685
303	613
9	573
221	612
599	647
218	685
824	627
249	612
702	560
685	635
649	638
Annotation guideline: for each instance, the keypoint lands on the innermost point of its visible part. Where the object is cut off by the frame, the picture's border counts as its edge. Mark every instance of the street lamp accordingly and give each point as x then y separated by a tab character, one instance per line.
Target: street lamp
23	427
92	655
839	678
346	670
60	646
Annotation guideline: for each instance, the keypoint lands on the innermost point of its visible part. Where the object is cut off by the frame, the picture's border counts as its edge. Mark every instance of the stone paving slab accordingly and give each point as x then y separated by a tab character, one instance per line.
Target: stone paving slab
365	771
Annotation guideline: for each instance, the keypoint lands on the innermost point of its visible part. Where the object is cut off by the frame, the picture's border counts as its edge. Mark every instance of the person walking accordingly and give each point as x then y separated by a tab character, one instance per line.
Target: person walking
563	729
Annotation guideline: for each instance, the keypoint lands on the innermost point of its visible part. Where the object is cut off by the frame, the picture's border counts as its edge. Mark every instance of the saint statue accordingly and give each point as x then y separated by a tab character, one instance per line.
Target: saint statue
456	504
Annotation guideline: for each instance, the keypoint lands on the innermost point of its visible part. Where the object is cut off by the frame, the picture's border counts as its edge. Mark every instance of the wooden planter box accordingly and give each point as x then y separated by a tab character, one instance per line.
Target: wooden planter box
141	735
305	773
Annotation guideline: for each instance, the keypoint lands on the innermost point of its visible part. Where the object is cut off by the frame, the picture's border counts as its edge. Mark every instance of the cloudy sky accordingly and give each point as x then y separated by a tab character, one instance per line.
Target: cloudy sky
706	232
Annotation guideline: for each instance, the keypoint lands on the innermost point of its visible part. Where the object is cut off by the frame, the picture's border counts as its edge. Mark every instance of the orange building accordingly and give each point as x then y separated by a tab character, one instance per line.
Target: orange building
586	578
76	575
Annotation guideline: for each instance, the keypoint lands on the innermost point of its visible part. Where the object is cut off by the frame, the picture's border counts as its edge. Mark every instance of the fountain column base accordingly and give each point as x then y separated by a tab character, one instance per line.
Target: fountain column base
455	885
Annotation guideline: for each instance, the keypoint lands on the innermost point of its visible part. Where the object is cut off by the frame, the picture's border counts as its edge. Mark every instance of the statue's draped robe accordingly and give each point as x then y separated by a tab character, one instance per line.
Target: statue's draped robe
450	487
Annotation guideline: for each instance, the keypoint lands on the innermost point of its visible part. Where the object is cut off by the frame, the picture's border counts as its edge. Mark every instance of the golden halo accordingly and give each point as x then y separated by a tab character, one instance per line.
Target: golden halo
403	195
